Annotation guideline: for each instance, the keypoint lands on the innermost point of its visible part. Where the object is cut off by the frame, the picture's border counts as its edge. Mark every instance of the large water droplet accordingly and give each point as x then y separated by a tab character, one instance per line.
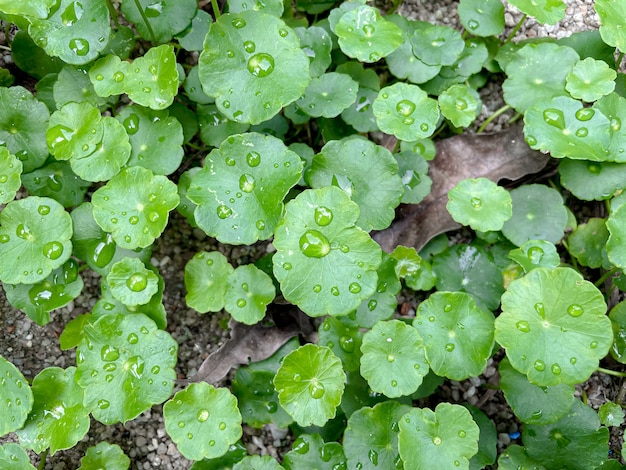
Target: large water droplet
540	309
556	369
323	216
450	347
53	250
137	282
79	46
249	46
373	456
301	446
523	326
238	23
59	135
554	117
585	114
109	353
575	310
354	287
247	183
371	305
347	343
539	365
203	415
261	64
131	124
473	25
253	159
103	404
118	76
43	209
314	244
405	107
103	251
223	212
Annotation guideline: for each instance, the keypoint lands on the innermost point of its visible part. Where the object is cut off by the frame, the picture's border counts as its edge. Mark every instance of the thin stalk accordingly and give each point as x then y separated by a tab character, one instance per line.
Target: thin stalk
394	7
605	276
216	9
516	29
42	462
503	109
618	62
5	48
611	372
515	118
113	13
145	20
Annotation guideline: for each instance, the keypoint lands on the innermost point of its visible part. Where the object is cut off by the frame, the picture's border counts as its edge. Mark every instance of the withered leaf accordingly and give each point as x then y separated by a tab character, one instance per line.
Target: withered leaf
495	156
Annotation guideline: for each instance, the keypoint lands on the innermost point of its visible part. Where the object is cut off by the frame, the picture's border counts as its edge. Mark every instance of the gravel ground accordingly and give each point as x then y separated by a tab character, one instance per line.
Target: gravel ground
144	440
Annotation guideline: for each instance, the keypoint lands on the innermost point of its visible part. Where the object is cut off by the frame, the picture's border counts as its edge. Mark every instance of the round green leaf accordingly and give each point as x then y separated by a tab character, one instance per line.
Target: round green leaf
76	32
617	315
57	290
252	64
360	114
310	451
328	95
367	450
590	80
131	283
587	243
247	178
317	44
10	180
343	340
14	457
248	293
482	17
535	254
23	124
406	111
538	214
393	359
155	137
160	21
192	37
257	462
215	127
57	181
544	11
611	414
458	336
258	401
371	180
126	365
365	35
531	403
56	396
203	421
310	383
16	396
74	131
72	84
34	8
460	104
437	45
537	73
488	440
592	180
104	455
448	436
35	233
413	169
479	203
553	326
324	263
206	281
616	225
610	13
575	441
515	457
134	206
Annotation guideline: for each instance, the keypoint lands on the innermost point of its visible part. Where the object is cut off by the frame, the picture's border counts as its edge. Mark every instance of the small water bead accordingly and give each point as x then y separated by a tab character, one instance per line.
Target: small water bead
616	124
226	104
523	326
316	390
109	367
323	216
371	305
585	114
394	383
230	54
450	347
556	369
249	46
79	46
424	127
582	132
473	25
146	89
447	308
554	117
431	318
347	343
530	140
103	404
575	310
181	424
260	225
53	250
109	378
301	446
118	76
287	266
354	288
461	434
99	77
253	159
43	209
374	57
391	358
133	338
261	65
573	360
437	440
335	291
540	309
241	303
189	435
203	415
314	244
539	365
405	107
238	23
137	282
593	345
224	212
317	288
247	183
134	220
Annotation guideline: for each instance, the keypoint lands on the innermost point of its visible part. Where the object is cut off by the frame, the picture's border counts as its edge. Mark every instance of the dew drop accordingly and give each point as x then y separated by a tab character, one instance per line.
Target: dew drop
133	338
224	212
539	365
354	288
368	29
103	404
260	225
554	117
523	326
181	424
394	383
424	127
249	46
582	132
314	244
347	343
593	345
447	308
450	347
371	305
556	369
283	33
131	124
53	250
127	238
391	358
431	318
476	202
585	114
323	216
118	76
203	415
372	454
437	440
616	124
43	209
573	360
301	446
226	105
253	159
287	266
247	183
238	23
335	291
79	46
241	303
189	435
540	309
532	141
575	310
317	288
462	433
297	378
99	77
134	220
137	282
405	107
153	216
473	25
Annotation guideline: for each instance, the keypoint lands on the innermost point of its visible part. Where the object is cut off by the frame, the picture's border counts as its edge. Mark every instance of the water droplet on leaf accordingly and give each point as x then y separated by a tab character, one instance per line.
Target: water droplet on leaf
314	244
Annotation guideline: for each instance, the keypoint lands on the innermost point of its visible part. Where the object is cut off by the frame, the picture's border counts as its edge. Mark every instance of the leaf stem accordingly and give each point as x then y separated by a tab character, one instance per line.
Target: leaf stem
42	462
516	29
611	372
145	20
515	118
605	276
113	13
503	109
618	61
216	9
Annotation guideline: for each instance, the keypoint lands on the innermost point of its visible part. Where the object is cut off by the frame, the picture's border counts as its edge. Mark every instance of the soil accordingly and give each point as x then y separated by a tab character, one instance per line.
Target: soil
32	348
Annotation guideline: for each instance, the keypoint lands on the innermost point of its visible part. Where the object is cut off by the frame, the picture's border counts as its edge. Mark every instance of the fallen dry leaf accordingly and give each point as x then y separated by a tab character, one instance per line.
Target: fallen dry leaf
495	156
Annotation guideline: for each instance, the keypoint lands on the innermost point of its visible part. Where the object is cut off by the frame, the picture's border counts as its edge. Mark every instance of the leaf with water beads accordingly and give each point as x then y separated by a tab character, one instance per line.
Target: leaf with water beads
165	18
328	95
310	451
34	8
35	233
125	365
413	170
76	32
258	400
321	251
247	178
590	80
57	181
104	455
252	64
613	106
611	13
360	114
317	45
72	84
203	421
406	111
74	131
616	224
460	104
343	339
437	45
271	7
57	396
134	206
131	283
14	457
16	396
156	139
611	414
531	403
371	180
544	11
310	383
587	243
479	203
393	359
515	457
535	254
248	293
37	300
617	315
192	37
206	281
448	436
482	17
23	124
10	180
537	73
458	336
215	127
590	181
553	326
367	450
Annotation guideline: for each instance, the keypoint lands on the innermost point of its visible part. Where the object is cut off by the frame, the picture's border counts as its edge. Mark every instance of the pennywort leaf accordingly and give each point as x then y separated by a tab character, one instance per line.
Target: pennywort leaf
206	278
14	457
10	181
611	30
482	17
102	454
480	203
131	283
248	293
545	11
590	80
328	95
165	19
16	395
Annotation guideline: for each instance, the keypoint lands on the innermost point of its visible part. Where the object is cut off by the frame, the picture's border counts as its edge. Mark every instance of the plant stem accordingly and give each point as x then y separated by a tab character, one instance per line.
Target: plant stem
145	20
113	13
620	56
611	372
216	9
515	118
516	29
605	276
42	462
503	109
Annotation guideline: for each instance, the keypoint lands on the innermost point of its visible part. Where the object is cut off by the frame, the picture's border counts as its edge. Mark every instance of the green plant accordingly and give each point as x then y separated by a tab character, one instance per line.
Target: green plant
286	106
